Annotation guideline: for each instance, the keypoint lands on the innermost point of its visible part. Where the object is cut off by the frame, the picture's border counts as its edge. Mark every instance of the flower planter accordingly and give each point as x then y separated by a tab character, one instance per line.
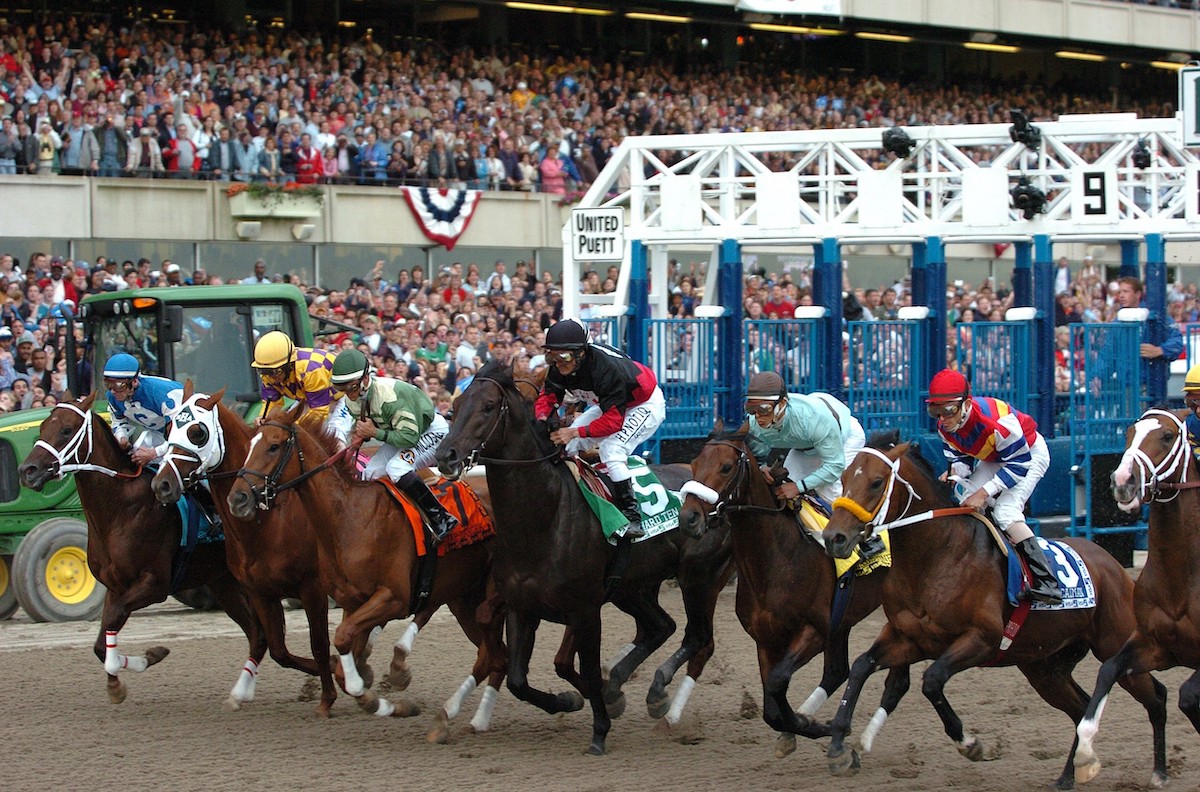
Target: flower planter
279	205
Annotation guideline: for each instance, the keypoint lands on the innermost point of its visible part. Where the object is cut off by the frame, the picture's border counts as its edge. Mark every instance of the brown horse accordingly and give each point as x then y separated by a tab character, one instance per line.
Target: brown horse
1157	468
132	540
552	557
786	585
368	553
945	600
274	554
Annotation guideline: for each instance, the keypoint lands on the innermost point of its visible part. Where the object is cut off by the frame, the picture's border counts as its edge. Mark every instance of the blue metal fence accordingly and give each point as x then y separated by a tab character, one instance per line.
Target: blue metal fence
884	387
996	358
1106	398
682	354
789	347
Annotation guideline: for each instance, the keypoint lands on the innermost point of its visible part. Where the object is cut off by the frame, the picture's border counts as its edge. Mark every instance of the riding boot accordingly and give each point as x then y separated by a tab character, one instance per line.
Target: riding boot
626	501
1044	586
439	521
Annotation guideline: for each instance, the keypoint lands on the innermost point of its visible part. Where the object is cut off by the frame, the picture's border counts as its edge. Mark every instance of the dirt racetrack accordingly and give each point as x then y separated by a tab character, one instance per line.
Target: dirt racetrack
173	733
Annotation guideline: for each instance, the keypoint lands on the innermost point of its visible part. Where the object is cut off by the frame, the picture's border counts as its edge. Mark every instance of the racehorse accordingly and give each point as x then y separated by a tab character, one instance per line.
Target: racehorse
786	585
1157	468
132	540
368	553
273	555
945	600
552	560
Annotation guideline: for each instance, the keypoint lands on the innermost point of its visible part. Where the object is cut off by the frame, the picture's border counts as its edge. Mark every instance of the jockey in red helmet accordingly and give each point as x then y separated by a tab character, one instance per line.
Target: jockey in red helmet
1000	454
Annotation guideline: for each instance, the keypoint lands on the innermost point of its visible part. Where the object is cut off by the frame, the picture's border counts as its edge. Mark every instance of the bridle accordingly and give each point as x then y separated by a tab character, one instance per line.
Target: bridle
207	455
1151	475
475	455
722	502
875	519
72	458
265	497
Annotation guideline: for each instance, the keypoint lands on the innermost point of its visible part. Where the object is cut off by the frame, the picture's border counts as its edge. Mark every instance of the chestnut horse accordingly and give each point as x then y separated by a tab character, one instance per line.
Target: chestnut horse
132	540
945	600
786	584
368	552
552	559
1157	468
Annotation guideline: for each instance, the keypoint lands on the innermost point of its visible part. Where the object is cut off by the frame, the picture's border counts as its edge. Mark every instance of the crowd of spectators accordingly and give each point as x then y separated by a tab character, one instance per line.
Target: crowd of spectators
165	101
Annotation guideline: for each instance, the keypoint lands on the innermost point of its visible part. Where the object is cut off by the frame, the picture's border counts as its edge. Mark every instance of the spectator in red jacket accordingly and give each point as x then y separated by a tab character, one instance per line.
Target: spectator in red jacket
309	167
63	288
181	158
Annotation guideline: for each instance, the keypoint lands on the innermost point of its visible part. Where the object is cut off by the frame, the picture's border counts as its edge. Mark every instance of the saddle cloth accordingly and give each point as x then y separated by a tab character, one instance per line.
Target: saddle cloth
1074	579
813	520
658	505
456	497
199	527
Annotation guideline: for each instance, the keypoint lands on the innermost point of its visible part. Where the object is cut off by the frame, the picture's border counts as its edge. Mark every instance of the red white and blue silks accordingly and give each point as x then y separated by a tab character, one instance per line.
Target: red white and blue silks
443	215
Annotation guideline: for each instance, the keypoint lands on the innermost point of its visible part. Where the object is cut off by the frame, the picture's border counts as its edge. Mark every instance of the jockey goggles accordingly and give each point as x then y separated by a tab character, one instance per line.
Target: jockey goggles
1192	401
761	406
556	356
118	384
946	409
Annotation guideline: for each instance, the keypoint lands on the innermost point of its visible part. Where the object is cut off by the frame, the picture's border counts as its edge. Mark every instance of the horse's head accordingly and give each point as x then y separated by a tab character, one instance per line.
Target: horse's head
66	437
273	456
482	414
868	484
1156	453
720	478
196	445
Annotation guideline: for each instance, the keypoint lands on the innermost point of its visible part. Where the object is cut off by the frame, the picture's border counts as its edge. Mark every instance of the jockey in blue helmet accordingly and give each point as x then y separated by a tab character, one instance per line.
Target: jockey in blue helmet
140	401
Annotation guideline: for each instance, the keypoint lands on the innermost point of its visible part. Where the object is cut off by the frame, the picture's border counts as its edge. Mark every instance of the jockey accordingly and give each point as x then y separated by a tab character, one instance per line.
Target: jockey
401	416
1010	457
303	375
140	401
625	408
818	431
1191	399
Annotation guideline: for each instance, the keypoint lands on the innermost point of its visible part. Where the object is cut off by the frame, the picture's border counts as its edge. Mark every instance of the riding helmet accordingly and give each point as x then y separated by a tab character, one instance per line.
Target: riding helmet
1191	383
567	334
349	366
122	366
274	350
766	385
948	385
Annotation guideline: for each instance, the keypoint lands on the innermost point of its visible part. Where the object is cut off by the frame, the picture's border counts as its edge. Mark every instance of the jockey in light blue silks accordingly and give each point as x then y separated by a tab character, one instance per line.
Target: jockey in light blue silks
137	401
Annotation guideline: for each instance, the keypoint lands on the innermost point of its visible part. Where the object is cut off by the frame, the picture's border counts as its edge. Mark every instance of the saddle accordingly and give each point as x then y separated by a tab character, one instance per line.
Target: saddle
474	522
597	491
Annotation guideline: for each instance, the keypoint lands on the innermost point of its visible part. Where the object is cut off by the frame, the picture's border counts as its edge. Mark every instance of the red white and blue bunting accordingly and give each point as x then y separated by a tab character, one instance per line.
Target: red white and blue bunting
442	214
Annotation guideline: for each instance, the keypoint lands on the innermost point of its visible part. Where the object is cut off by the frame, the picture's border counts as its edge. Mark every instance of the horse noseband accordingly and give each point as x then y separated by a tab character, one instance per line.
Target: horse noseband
265	498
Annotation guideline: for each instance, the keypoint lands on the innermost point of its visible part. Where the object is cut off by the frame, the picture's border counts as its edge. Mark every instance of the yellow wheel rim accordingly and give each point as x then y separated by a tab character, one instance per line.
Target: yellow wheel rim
4	583
68	578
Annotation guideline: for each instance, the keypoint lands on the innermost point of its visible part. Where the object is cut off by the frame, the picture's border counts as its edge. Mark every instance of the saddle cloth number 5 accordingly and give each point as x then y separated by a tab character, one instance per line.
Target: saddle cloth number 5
652	496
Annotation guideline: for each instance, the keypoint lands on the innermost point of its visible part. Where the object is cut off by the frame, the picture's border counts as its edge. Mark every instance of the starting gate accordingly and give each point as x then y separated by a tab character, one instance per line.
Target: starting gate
885	375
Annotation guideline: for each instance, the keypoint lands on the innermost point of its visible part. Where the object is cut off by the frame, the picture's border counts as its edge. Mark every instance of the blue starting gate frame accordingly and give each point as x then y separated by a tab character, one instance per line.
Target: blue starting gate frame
1106	398
886	382
792	348
994	357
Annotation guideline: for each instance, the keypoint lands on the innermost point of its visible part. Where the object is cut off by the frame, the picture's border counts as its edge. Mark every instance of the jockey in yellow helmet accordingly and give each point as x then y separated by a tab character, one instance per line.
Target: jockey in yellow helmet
302	374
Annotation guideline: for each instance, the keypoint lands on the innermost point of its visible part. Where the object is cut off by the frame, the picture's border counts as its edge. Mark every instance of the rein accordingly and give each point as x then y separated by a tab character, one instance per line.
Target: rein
83	435
475	455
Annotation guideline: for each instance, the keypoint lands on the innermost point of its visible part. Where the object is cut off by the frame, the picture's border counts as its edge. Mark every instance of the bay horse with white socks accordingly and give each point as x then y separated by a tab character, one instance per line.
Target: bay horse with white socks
552	557
1157	468
946	600
368	555
132	540
786	584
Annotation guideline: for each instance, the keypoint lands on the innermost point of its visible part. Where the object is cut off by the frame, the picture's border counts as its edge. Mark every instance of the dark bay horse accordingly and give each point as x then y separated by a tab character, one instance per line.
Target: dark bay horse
1157	468
552	557
786	584
132	540
368	553
946	601
273	554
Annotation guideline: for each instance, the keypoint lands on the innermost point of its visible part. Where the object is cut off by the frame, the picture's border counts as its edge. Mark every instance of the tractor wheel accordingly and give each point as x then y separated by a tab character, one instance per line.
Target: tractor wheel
51	577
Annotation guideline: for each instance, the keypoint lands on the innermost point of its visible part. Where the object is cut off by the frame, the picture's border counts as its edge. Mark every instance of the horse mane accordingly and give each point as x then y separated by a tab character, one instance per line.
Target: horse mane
884	439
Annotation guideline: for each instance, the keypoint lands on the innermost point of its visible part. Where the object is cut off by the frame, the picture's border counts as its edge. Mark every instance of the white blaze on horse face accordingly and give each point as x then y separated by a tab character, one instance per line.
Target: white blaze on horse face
1141	430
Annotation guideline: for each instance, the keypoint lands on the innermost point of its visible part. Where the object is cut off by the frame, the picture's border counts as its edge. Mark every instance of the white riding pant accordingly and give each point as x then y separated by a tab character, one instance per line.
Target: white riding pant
641	422
1008	507
339	422
800	464
395	462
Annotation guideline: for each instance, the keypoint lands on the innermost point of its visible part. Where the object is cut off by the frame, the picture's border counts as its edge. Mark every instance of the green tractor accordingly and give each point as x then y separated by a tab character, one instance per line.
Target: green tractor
205	333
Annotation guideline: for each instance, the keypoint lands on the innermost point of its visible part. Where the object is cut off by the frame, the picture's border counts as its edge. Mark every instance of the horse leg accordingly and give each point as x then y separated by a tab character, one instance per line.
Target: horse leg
399	676
522	631
967	651
889	650
465	609
238	606
1153	696
777	675
586	628
894	688
654	628
316	611
351	635
1138	655
1051	678
117	608
696	649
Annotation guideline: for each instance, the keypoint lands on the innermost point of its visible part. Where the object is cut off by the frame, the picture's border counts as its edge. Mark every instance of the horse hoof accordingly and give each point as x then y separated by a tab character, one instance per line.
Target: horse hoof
972	750
785	745
845	765
406	709
1087	771
657	704
368	675
439	733
323	712
616	708
1158	780
117	691
156	654
596	748
399	678
570	701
